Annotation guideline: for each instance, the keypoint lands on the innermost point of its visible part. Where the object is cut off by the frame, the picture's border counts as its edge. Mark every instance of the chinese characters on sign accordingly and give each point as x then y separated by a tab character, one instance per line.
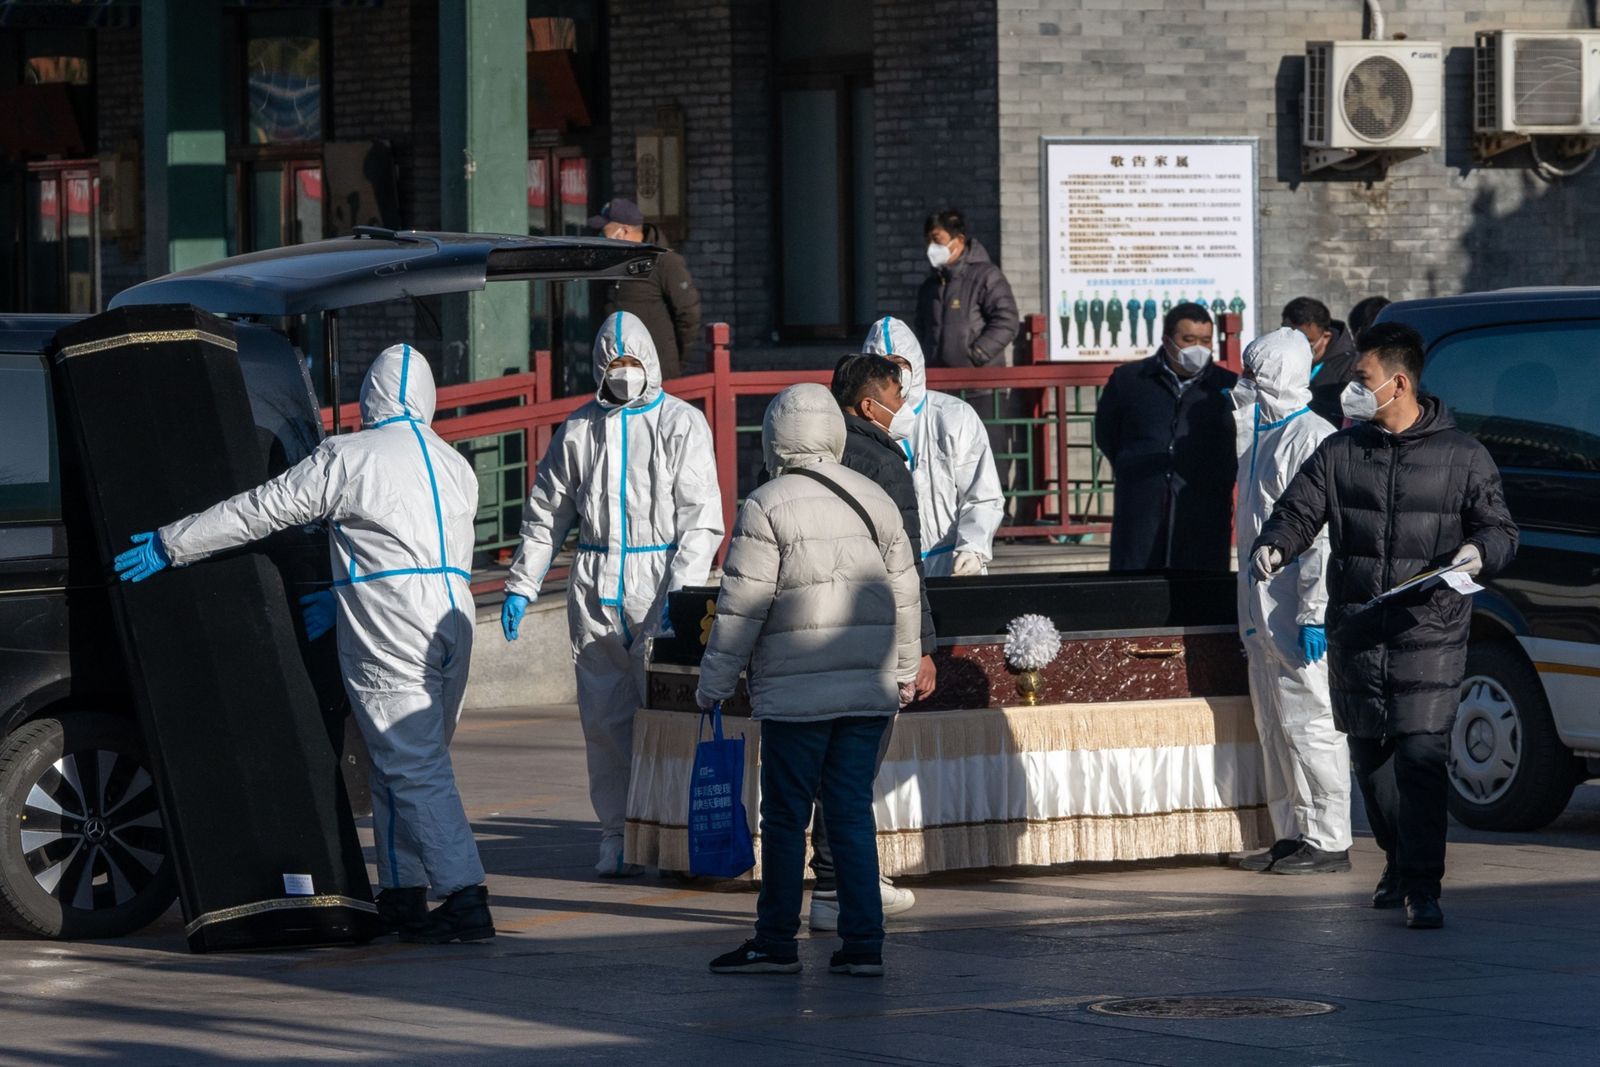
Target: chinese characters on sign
1133	229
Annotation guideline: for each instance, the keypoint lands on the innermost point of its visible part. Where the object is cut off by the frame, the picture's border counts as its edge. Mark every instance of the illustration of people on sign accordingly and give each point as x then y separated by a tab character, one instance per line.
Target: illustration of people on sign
1100	317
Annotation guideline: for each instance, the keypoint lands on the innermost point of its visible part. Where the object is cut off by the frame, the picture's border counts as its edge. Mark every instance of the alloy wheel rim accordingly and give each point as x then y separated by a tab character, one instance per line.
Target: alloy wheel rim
1486	741
91	830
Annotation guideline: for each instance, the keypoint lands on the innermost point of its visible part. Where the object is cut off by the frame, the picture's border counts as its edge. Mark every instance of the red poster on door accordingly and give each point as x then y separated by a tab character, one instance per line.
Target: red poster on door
575	182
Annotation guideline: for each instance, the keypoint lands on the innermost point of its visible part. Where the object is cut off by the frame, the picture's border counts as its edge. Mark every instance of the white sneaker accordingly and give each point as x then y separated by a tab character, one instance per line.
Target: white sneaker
825	904
896	901
611	865
824	910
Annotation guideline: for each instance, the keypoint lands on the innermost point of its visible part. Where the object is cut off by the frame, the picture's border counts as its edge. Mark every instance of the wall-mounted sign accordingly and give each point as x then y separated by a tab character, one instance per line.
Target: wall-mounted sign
1133	228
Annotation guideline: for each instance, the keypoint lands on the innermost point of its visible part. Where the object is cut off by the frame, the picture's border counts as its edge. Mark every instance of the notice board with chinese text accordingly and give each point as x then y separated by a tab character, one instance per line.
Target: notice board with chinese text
1134	227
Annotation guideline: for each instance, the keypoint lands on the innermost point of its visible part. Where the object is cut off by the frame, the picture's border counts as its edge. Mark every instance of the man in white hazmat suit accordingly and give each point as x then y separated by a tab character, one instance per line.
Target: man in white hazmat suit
1306	760
635	472
399	502
959	499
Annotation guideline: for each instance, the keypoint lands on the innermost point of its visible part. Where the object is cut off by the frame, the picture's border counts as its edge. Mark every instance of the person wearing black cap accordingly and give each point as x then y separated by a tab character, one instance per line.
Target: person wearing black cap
665	300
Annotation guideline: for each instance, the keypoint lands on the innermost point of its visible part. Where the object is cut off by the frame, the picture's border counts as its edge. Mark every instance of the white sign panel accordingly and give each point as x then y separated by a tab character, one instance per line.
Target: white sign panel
1133	228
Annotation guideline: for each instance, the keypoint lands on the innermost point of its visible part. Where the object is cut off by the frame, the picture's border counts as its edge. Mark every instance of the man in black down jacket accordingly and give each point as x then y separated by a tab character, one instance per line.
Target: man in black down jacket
1166	425
867	388
966	315
665	300
1333	345
1400	492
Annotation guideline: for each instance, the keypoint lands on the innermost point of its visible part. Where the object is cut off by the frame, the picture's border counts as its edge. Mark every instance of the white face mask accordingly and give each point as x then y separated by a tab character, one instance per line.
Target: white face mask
938	254
900	423
1361	403
1194	358
625	383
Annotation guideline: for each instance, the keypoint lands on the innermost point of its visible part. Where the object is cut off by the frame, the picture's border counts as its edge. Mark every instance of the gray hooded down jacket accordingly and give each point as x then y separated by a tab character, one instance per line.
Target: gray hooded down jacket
826	614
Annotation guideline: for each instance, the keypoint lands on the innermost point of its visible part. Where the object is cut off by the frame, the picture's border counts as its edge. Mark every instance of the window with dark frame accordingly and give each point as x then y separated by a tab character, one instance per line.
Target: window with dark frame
276	195
826	204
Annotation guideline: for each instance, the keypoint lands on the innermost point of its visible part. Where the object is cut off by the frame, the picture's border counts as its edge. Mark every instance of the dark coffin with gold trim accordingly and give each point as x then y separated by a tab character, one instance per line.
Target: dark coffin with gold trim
1124	637
156	424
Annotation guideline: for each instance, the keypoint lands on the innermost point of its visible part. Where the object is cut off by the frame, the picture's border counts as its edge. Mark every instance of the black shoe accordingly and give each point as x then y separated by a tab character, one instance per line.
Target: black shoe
1263	861
1308	859
1423	912
751	958
860	964
1389	893
462	916
402	908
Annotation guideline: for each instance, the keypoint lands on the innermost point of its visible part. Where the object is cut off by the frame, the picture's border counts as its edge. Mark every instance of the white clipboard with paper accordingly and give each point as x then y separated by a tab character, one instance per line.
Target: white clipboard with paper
1450	575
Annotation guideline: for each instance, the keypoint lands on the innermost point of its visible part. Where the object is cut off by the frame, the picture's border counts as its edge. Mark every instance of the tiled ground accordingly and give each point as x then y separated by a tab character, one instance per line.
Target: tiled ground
989	969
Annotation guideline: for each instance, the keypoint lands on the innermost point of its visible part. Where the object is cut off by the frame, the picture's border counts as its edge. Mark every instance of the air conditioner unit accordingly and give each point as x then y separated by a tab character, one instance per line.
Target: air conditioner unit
1535	83
1371	101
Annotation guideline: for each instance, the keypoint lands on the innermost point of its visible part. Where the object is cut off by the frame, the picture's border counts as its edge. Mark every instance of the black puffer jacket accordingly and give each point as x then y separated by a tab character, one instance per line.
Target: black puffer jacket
966	314
1396	505
871	452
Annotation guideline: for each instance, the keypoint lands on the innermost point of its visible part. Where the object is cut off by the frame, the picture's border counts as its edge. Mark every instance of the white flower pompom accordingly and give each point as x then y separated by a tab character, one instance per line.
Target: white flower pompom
1031	642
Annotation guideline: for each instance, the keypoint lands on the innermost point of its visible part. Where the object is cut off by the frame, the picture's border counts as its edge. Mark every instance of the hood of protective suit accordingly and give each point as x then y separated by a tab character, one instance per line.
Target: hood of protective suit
803	427
1280	361
399	384
892	338
623	334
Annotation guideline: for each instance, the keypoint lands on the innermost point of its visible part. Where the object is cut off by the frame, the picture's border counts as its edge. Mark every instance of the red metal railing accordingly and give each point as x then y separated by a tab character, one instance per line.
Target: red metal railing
525	404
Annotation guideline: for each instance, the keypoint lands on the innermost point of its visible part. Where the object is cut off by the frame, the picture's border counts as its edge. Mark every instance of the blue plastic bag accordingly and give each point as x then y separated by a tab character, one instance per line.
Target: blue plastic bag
719	829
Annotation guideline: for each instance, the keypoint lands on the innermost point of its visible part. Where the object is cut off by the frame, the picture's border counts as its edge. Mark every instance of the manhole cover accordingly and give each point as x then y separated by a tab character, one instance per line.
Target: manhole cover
1211	1008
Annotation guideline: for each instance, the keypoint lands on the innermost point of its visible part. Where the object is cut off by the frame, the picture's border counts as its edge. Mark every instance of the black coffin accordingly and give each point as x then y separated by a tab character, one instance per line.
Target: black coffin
251	795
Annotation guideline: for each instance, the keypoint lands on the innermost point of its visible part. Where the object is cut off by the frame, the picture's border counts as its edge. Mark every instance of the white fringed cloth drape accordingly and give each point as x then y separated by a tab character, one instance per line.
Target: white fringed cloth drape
1007	787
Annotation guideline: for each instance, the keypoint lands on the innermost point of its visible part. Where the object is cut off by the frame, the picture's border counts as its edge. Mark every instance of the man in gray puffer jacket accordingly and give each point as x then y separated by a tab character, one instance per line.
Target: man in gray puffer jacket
820	598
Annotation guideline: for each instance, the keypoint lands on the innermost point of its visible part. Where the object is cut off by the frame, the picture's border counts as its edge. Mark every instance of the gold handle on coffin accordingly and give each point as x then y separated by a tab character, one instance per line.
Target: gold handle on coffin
1154	652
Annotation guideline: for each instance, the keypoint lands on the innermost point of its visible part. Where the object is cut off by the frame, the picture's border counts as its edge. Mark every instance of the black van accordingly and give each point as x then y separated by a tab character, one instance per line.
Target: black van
1520	371
82	853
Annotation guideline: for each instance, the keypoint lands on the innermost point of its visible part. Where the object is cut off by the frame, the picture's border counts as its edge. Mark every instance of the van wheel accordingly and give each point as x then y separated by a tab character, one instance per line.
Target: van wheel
83	853
1509	769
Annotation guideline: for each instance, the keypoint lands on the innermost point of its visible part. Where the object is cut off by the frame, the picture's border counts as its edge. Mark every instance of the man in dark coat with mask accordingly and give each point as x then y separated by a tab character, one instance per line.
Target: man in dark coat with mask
1166	425
867	389
966	314
1333	349
1401	491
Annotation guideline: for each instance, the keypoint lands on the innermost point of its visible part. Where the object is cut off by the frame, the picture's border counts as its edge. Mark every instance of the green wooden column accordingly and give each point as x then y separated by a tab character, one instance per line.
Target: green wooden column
483	140
185	134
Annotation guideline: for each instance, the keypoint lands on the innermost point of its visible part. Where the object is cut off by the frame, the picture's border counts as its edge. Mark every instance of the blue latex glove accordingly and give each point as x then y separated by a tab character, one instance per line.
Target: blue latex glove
318	610
1313	642
666	621
147	557
511	613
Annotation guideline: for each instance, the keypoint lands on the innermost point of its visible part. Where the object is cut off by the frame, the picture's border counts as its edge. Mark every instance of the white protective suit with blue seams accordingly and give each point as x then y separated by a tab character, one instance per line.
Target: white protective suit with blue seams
400	504
1307	761
959	498
639	481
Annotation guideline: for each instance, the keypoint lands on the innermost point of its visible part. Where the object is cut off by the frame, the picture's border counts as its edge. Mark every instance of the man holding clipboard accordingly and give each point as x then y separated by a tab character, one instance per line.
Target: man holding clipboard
1402	492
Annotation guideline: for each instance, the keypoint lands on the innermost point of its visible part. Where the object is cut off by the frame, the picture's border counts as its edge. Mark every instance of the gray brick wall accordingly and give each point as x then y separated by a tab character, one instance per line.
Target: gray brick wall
1233	67
935	98
710	58
386	88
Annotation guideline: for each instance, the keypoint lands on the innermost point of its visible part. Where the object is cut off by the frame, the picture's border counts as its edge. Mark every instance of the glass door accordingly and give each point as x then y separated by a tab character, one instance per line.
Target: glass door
61	247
